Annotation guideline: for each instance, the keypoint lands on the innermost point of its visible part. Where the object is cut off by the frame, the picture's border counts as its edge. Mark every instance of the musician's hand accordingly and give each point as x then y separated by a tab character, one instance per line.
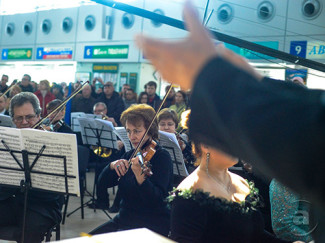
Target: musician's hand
120	145
181	144
181	61
120	166
112	120
137	170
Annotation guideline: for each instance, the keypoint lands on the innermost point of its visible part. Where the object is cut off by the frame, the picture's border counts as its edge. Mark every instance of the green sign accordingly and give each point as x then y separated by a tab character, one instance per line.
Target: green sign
109	52
105	68
252	54
21	53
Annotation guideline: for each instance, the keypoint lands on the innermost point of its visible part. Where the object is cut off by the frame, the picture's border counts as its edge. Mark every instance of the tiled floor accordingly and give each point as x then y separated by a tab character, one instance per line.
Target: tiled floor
74	225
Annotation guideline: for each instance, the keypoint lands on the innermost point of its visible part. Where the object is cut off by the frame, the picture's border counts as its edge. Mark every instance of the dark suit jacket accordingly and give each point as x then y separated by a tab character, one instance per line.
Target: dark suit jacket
279	127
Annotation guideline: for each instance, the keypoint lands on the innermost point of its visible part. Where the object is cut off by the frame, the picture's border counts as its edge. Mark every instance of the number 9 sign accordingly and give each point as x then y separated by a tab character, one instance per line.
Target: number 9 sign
298	48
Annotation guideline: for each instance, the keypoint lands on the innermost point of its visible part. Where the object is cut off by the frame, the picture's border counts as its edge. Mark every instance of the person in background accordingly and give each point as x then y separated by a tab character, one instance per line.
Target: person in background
25	84
85	102
125	87
143	98
15	90
96	90
3	105
153	99
130	98
101	109
57	91
170	100
180	103
3	84
44	95
113	102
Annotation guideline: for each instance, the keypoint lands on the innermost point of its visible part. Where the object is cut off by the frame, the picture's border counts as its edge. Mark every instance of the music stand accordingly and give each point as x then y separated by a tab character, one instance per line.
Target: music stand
96	132
169	142
29	170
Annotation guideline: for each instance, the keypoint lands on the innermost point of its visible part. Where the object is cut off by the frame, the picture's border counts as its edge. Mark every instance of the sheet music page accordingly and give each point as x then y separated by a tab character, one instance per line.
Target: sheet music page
108	137
169	142
75	126
60	144
6	121
88	131
121	133
12	138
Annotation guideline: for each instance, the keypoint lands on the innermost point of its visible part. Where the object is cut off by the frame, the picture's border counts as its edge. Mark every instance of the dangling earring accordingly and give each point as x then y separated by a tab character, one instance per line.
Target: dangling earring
207	162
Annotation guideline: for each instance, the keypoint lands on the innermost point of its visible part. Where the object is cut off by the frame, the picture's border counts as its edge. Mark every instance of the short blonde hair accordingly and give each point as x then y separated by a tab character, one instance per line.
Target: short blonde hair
47	84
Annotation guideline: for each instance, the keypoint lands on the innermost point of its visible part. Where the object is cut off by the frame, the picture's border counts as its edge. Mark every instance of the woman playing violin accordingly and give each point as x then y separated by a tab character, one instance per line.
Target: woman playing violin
143	196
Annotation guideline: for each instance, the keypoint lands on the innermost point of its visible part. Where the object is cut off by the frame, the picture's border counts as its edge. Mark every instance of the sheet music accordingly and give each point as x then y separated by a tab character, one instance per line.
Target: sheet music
121	133
169	142
92	129
60	144
75	126
6	121
32	140
12	138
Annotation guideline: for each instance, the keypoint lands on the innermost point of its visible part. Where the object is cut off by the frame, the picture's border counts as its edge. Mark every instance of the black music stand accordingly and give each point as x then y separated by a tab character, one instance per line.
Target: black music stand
95	133
27	168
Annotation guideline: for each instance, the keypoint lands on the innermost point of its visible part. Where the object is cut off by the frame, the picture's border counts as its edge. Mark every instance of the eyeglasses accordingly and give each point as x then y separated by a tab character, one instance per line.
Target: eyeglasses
28	118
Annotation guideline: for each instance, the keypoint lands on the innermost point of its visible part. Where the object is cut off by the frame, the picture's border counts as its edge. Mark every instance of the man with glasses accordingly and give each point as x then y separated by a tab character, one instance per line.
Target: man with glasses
43	208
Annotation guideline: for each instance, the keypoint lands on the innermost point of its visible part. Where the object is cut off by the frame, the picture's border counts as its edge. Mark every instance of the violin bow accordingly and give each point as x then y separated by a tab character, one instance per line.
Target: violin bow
61	105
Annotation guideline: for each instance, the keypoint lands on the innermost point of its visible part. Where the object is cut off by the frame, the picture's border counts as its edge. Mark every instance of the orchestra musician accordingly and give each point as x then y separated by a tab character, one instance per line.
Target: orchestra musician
43	208
143	196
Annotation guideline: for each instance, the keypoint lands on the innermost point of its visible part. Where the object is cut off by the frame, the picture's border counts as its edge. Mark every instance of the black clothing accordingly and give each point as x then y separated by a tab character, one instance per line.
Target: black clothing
142	205
3	89
276	126
115	106
169	102
198	217
154	102
81	104
28	88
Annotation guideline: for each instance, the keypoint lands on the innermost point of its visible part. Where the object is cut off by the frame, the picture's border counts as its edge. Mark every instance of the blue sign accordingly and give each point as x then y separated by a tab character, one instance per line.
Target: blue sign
88	52
298	48
54	53
4	54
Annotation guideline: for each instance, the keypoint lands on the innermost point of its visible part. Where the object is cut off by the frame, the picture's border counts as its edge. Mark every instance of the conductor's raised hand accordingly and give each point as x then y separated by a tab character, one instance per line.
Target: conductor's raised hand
120	166
180	62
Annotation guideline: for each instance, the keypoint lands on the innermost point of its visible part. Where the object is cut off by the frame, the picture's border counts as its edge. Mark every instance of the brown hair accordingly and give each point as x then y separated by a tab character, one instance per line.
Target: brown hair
166	114
47	84
141	112
196	147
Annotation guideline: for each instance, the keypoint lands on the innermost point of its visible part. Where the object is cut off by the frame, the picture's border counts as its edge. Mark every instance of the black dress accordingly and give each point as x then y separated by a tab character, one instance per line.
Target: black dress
198	217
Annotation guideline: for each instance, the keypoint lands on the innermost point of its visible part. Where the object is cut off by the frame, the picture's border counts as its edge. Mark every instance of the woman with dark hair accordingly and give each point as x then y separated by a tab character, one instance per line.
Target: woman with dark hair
215	205
143	98
180	103
143	197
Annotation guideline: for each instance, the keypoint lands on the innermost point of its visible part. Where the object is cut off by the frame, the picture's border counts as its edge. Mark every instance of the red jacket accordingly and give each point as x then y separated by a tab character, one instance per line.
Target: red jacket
44	101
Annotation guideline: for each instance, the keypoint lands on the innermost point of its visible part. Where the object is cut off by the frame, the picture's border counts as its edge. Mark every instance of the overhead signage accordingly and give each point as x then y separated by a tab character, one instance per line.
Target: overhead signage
52	53
105	68
107	52
19	53
308	49
252	54
298	48
315	50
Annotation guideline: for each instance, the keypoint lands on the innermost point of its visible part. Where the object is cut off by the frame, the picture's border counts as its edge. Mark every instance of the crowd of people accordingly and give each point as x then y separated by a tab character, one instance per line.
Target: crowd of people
241	126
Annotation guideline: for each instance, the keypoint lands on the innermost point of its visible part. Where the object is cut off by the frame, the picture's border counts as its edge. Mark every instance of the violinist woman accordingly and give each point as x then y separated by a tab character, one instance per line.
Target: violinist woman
143	196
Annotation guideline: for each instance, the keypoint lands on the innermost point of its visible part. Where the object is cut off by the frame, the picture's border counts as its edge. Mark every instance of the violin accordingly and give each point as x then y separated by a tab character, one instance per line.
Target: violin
145	156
